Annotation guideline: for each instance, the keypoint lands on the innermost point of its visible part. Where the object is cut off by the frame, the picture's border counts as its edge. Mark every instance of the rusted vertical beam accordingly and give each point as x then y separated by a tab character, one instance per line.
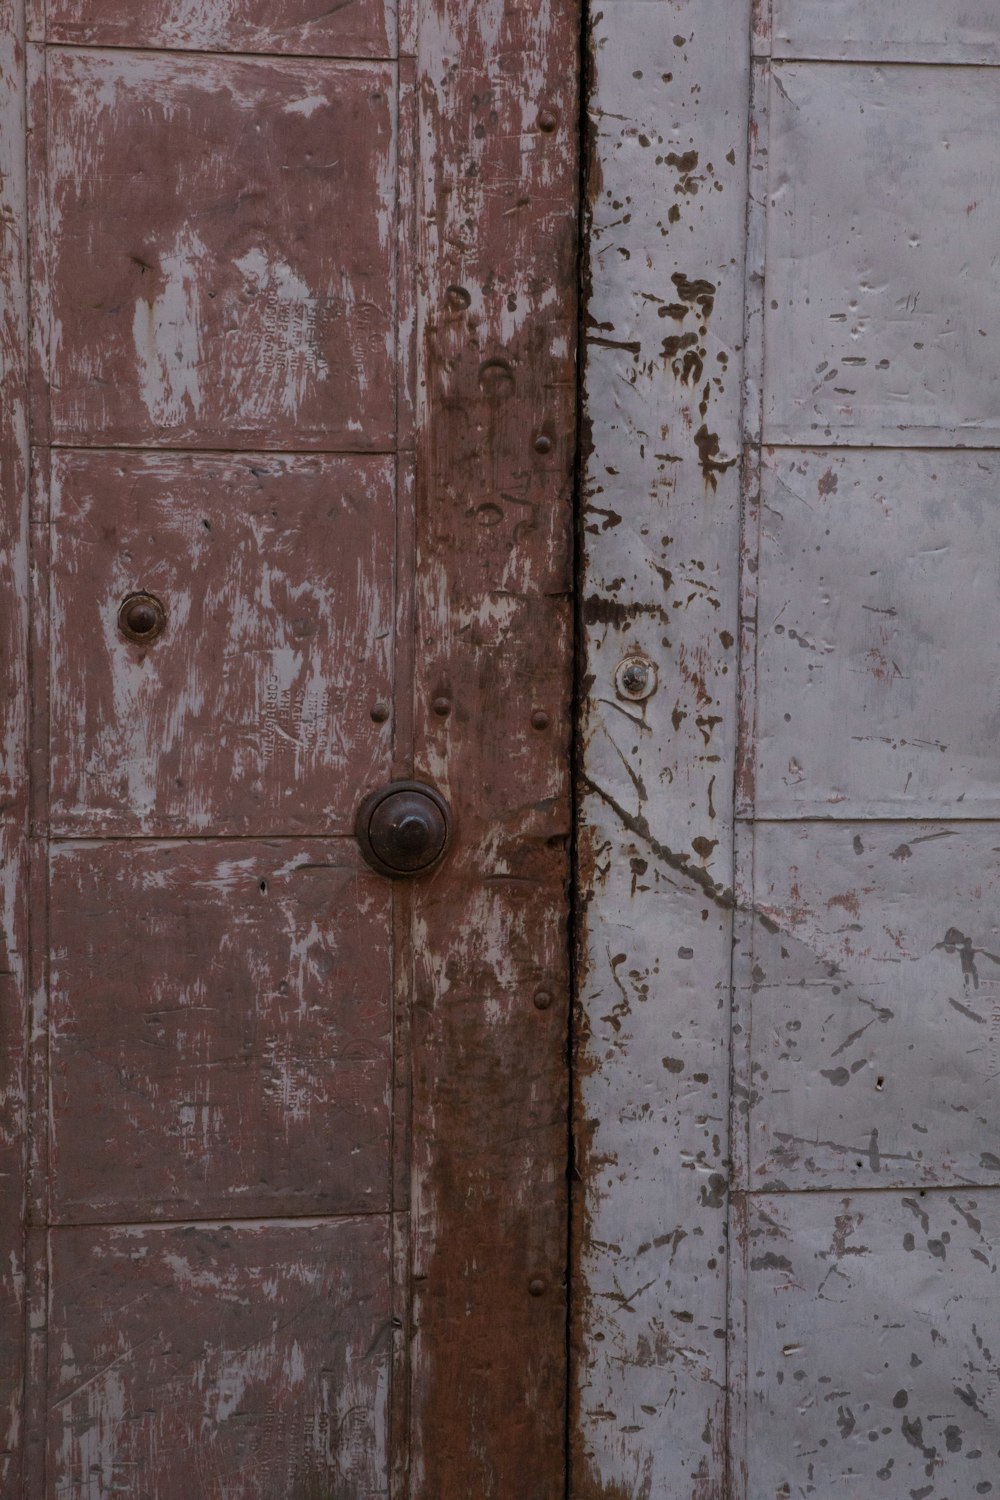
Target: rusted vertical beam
14	751
496	404
659	730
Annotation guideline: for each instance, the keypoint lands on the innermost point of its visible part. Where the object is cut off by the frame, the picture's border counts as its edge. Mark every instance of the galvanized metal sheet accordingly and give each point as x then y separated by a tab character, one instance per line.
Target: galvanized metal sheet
357	28
659	609
882	308
871	1345
239	1361
892	30
878	577
222	251
875	1010
236	1058
264	707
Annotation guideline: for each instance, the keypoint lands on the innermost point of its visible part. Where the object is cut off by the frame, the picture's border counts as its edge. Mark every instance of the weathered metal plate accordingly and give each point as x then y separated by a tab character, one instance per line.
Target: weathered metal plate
220	1030
243	1362
222	250
253	712
882	315
352	28
878	578
872	1336
893	30
660	558
875	1014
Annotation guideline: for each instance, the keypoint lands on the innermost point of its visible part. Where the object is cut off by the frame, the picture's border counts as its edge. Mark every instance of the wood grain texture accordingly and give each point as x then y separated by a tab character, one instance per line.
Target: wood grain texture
221	270
252	713
242	1363
14	706
346	28
220	1030
497	319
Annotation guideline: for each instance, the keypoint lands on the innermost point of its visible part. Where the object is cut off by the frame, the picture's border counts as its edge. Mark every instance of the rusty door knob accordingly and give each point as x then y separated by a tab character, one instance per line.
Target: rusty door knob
403	828
141	617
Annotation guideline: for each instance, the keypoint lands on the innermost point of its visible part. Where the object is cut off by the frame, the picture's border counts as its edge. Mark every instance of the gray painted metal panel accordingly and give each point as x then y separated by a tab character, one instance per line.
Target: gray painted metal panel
871	1345
669	117
882	280
879	575
875	1041
940	31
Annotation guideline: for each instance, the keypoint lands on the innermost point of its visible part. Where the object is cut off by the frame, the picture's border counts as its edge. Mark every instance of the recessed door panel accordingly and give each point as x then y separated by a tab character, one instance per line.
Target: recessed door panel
221	1031
221	254
264	704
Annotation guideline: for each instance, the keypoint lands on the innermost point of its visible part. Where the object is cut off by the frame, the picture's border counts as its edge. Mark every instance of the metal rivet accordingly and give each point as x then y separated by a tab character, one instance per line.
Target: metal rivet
457	298
536	1286
380	712
543	999
543	443
141	617
548	119
635	678
539	719
442	707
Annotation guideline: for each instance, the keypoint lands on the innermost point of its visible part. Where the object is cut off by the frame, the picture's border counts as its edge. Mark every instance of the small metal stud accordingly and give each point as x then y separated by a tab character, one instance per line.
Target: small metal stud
380	712
542	999
442	707
548	119
537	1286
635	678
543	443
539	719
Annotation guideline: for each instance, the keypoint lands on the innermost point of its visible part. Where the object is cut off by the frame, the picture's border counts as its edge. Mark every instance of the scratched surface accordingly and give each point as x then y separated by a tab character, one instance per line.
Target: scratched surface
876	1005
866	1142
872	566
221	263
667	200
881	313
237	1059
889	30
872	1344
252	713
14	629
345	28
244	1362
497	102
303	367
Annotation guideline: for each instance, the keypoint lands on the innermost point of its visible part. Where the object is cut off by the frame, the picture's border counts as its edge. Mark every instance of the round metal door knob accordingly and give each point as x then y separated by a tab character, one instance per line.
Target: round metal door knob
403	828
141	617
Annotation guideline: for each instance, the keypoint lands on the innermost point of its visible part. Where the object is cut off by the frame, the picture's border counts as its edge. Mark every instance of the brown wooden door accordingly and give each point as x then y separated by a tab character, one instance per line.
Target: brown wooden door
289	384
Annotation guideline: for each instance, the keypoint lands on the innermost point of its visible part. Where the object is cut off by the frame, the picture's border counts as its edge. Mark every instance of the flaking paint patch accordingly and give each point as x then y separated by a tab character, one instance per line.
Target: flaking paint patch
167	334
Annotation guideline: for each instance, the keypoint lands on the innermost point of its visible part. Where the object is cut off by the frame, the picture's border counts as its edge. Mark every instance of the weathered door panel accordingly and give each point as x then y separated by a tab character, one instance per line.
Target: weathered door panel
200	292
265	704
866	1141
236	1057
252	1056
220	1359
360	28
660	624
828	317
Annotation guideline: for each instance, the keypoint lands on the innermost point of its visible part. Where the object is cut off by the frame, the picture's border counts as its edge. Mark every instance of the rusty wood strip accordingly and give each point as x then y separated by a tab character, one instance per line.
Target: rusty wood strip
498	125
660	610
14	762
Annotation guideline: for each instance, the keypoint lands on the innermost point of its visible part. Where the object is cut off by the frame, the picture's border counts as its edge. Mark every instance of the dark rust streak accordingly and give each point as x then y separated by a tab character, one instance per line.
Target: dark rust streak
681	863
